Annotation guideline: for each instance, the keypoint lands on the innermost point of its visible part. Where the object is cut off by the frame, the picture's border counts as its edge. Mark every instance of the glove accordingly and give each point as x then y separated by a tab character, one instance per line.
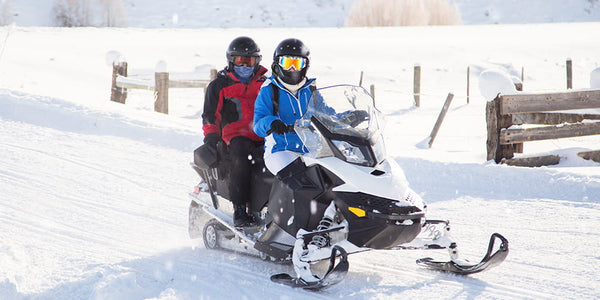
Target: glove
356	117
211	140
278	127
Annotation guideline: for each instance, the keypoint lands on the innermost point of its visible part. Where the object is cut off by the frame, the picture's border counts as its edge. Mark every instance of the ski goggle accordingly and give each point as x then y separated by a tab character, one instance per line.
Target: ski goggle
289	62
244	60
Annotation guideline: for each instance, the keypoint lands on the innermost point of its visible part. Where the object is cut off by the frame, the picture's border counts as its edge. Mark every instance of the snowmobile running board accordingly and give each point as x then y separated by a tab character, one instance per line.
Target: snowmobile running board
226	221
488	261
335	273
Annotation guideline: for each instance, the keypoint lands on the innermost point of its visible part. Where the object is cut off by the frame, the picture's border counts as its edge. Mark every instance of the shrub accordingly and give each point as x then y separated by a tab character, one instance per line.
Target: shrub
442	12
403	13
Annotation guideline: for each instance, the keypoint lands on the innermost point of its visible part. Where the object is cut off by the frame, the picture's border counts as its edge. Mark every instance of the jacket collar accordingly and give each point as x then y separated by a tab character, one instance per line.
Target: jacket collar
276	82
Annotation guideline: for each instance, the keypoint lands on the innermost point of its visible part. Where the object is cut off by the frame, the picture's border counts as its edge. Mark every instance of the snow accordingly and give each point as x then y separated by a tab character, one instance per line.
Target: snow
94	198
595	79
494	82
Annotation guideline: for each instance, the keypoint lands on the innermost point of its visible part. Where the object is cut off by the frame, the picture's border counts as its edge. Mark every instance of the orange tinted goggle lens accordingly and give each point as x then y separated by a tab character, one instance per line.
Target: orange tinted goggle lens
244	60
287	62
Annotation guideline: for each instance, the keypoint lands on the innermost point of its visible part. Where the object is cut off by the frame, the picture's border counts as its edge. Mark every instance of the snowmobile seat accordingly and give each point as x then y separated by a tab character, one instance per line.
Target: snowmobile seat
206	158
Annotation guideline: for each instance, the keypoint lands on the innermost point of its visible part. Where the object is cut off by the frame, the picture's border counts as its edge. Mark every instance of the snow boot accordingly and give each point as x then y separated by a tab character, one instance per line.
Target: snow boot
241	218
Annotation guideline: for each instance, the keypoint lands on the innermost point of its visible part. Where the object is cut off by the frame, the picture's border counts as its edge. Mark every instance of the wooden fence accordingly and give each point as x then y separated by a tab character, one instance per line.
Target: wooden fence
161	83
508	110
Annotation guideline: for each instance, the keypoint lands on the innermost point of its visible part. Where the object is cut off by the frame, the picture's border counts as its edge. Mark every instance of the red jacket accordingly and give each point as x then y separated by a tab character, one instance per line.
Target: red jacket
229	105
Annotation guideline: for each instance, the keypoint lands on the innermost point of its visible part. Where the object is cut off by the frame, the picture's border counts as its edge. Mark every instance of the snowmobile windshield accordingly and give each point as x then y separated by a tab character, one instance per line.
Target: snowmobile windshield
342	121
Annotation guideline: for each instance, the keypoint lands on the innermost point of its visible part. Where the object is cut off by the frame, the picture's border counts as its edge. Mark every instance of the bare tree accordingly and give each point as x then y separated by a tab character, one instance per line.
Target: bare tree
5	13
71	13
113	13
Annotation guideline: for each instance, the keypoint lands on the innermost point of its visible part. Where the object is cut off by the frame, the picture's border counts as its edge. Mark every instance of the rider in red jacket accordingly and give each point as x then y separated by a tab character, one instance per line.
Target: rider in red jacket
228	116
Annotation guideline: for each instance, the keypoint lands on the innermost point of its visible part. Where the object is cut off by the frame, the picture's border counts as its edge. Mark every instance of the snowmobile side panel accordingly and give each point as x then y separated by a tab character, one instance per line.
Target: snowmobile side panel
309	187
275	242
385	224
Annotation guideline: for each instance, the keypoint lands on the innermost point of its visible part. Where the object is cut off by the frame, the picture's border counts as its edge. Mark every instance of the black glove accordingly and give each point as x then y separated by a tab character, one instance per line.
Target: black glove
278	127
356	117
212	139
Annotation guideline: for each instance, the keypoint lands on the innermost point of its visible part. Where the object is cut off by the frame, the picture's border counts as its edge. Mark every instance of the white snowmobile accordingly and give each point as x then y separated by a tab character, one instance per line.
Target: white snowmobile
344	196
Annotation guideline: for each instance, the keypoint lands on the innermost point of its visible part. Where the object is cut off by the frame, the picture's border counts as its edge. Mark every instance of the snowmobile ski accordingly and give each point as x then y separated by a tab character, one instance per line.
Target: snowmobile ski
488	261
335	273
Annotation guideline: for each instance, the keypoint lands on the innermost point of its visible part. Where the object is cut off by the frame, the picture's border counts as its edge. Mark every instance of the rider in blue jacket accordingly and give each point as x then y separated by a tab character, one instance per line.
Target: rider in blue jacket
282	100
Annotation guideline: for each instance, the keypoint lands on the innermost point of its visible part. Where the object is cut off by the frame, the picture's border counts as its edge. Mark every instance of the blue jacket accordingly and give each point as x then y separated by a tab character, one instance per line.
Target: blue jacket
291	108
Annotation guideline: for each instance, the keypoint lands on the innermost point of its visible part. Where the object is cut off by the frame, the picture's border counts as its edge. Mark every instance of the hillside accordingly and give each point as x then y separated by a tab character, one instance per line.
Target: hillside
311	13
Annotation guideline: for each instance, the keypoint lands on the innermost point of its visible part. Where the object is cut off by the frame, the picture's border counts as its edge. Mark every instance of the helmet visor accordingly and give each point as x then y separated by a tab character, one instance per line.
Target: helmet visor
289	62
244	60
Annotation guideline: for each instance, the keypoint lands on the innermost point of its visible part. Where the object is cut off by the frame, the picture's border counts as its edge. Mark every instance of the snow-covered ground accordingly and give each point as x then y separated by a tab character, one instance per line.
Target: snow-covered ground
93	194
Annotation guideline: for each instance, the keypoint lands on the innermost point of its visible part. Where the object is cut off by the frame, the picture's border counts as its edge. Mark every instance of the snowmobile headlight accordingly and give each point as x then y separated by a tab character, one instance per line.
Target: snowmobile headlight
353	154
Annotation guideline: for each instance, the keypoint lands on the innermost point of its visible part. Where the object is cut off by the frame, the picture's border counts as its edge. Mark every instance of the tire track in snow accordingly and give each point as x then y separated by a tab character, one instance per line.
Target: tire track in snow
80	166
430	277
66	209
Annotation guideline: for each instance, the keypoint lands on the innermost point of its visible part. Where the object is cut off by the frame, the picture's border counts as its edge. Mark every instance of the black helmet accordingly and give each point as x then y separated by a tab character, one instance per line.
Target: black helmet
290	47
243	46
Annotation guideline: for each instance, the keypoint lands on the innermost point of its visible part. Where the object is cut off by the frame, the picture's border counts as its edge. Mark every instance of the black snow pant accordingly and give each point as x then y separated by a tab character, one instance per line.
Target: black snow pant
243	152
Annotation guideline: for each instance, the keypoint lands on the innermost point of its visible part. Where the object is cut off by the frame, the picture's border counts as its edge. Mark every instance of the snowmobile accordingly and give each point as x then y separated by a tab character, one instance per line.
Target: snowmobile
344	196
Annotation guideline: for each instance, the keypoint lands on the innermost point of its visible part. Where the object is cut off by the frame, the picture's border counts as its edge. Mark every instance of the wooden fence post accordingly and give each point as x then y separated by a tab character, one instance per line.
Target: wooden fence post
569	74
362	73
373	93
468	82
440	118
161	92
213	74
495	123
118	94
493	133
417	85
522	77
